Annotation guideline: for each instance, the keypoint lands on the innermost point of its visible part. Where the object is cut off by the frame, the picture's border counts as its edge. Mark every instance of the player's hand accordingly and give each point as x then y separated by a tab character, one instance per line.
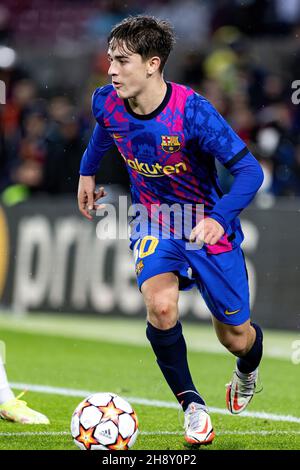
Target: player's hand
208	231
88	195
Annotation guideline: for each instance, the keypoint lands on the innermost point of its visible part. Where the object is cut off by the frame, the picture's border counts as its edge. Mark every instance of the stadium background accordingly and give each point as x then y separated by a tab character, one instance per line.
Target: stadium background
242	55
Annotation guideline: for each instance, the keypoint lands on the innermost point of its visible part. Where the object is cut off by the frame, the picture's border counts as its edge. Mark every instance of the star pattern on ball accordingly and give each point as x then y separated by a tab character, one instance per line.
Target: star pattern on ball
110	411
121	444
86	437
79	410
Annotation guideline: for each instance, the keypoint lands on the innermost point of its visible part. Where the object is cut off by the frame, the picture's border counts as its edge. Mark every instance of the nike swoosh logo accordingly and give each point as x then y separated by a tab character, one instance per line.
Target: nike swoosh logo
236	405
231	313
204	429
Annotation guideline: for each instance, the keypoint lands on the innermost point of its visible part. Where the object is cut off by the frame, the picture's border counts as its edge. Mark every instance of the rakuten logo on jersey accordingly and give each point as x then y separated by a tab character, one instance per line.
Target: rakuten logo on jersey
155	170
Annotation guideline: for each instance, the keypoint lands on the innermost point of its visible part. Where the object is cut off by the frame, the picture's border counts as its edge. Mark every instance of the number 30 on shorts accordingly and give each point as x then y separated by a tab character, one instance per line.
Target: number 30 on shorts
145	247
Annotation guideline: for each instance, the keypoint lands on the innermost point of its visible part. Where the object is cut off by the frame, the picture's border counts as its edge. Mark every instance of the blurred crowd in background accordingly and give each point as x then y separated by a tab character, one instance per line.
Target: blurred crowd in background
241	55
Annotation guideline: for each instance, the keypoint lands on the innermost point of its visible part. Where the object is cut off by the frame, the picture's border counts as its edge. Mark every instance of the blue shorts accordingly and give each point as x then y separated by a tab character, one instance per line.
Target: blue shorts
221	278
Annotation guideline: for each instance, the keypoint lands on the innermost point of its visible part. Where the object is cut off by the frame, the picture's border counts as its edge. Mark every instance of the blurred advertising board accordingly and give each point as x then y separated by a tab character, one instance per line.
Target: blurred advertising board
52	261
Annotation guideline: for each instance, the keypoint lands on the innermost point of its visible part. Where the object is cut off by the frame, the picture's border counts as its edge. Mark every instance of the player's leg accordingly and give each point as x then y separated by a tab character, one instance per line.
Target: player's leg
14	409
164	332
5	391
246	342
223	282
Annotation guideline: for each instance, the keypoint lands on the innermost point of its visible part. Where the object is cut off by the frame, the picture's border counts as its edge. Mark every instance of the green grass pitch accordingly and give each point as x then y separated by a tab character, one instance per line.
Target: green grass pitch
130	370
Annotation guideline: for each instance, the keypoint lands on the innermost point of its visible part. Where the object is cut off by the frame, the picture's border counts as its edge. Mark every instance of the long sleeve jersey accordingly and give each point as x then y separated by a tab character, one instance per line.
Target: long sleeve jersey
170	155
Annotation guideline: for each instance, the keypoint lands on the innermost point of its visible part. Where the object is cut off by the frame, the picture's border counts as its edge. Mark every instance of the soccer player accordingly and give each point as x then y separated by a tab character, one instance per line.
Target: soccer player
169	137
14	409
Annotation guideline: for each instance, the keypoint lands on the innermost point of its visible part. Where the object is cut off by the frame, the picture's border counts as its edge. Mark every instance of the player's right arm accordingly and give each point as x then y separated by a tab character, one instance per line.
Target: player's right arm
87	195
99	144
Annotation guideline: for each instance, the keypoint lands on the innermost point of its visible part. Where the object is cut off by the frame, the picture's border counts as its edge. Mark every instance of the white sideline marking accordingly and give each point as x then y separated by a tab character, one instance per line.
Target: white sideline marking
155	433
146	402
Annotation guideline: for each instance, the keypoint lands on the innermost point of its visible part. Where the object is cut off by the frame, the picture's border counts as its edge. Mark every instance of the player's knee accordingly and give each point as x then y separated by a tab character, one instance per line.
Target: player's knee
162	313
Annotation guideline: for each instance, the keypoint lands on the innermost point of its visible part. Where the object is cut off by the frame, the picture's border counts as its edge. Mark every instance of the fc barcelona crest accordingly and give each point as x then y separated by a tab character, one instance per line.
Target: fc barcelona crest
170	143
139	267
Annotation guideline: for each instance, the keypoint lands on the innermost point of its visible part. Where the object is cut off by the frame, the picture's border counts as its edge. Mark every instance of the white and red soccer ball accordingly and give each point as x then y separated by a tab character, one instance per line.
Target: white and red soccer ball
104	421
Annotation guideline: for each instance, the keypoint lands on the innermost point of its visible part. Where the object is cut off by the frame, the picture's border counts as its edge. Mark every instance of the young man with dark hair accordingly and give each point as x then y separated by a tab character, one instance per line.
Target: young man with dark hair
169	137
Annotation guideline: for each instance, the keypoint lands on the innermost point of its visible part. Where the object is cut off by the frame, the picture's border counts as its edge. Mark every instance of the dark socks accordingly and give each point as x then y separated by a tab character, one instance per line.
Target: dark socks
251	360
171	354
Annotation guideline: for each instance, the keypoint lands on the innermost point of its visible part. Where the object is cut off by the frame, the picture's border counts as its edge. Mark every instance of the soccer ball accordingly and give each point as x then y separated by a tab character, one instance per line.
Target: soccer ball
104	421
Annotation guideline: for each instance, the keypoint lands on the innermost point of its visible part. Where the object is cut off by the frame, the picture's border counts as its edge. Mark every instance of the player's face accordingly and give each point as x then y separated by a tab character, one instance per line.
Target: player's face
128	72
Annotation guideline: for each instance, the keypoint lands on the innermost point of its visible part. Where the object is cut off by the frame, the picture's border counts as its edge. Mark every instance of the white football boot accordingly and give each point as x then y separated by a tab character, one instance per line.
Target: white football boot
197	424
240	391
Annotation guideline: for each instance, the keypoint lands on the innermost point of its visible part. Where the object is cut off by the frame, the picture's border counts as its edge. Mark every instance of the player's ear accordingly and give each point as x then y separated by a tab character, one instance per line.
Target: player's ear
153	65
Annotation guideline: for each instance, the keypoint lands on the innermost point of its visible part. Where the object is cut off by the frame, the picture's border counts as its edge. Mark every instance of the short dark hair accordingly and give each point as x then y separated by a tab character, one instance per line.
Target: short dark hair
144	35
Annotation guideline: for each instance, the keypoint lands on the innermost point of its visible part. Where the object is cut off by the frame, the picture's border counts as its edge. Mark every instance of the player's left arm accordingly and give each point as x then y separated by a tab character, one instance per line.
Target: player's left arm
208	230
218	139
